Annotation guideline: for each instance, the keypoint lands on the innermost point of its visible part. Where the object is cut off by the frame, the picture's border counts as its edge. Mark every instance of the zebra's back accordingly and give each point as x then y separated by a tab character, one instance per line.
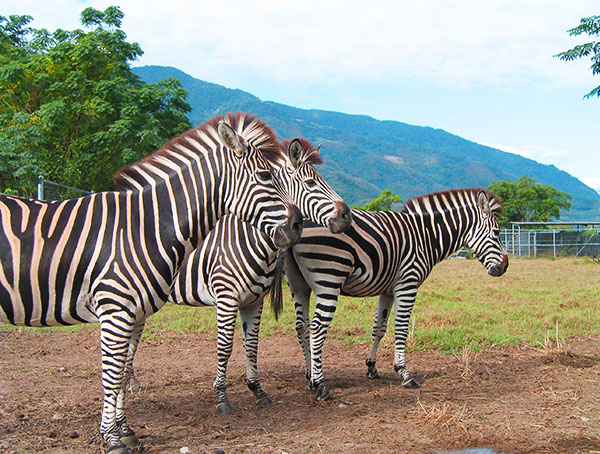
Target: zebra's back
364	260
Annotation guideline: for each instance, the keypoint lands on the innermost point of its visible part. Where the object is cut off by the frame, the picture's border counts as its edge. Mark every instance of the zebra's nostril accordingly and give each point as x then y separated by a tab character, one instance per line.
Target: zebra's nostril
297	227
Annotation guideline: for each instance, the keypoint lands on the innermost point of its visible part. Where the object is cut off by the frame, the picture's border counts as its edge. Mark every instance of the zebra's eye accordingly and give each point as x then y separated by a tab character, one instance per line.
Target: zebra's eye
264	176
310	183
496	233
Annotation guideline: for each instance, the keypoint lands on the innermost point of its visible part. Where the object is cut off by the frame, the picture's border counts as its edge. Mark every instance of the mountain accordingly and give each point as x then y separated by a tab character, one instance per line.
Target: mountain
363	156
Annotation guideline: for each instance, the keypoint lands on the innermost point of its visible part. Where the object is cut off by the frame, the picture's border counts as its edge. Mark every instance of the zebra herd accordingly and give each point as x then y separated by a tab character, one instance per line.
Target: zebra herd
214	218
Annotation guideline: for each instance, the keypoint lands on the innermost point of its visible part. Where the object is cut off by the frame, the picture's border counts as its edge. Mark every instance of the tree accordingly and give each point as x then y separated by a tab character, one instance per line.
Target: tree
72	110
383	202
590	26
529	201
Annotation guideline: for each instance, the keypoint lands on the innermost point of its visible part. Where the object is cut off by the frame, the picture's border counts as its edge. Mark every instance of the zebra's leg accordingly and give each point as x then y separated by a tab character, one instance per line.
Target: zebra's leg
405	295
126	433
250	327
301	305
226	316
300	291
384	304
134	384
324	311
116	331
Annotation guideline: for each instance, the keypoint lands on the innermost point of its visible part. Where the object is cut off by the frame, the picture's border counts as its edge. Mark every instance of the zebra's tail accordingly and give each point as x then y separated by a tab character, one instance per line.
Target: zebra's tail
276	292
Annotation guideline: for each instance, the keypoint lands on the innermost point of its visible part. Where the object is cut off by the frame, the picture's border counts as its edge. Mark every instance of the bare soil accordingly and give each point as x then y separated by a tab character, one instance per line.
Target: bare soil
511	400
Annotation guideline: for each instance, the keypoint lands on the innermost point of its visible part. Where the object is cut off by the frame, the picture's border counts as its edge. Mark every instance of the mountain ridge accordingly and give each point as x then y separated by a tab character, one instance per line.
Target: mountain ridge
363	156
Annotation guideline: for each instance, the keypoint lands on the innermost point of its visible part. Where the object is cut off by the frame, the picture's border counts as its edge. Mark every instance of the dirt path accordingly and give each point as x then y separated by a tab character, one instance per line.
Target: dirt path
511	400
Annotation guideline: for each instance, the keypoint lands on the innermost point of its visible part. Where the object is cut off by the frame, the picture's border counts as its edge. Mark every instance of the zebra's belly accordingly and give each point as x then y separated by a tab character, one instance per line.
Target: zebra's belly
49	312
365	285
199	296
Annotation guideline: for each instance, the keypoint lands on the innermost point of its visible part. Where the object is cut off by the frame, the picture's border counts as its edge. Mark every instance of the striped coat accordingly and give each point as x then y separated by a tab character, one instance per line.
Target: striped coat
390	255
111	257
235	266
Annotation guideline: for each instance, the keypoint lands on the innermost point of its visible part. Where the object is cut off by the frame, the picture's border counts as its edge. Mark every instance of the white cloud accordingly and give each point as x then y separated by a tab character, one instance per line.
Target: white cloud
564	159
538	153
389	59
448	43
593	183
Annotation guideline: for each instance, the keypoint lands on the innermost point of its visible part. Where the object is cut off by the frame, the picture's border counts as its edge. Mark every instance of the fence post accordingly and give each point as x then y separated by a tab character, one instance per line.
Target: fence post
40	188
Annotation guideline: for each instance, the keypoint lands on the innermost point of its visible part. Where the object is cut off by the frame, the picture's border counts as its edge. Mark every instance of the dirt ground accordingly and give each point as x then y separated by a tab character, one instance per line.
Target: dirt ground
511	400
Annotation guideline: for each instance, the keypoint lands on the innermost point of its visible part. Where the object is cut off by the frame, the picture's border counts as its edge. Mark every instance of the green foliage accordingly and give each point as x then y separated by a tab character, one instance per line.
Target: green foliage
71	108
591	27
382	203
528	201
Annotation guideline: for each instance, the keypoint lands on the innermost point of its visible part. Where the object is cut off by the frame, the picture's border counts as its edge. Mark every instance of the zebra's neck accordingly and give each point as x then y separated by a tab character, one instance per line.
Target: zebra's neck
182	208
443	231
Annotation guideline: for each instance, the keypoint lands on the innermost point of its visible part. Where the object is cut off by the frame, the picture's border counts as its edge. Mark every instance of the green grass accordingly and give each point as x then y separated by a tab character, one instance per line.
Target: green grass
458	305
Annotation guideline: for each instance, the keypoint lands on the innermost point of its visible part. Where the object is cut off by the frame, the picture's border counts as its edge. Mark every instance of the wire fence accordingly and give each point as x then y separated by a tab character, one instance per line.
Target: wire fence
45	190
49	190
553	242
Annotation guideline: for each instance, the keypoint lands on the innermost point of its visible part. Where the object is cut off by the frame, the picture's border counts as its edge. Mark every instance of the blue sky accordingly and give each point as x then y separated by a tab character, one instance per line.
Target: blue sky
483	70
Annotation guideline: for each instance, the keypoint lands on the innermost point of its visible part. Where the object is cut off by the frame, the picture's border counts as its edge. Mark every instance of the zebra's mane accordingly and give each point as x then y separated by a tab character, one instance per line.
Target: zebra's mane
253	130
417	204
310	154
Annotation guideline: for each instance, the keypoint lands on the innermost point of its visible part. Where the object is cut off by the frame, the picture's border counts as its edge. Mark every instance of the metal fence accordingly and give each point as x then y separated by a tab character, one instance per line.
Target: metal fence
49	190
554	239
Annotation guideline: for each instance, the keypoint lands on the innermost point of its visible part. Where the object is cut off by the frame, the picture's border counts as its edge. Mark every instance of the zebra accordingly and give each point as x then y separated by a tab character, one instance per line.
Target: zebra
388	254
111	257
235	267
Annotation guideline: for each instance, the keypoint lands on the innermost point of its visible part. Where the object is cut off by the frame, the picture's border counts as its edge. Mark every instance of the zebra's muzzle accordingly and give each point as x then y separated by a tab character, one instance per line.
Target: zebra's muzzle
289	234
342	220
500	268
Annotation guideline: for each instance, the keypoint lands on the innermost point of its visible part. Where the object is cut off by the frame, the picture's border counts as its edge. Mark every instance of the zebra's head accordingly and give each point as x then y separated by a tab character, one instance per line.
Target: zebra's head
255	193
484	238
222	166
309	190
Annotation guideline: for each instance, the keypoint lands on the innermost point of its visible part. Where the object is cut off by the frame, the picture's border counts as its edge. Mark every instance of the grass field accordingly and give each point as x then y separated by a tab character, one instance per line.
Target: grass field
458	306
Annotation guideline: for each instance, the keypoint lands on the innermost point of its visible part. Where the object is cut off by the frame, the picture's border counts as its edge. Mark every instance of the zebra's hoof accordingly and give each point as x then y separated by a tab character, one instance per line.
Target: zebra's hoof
372	373
224	407
136	387
130	439
118	448
323	392
410	383
264	402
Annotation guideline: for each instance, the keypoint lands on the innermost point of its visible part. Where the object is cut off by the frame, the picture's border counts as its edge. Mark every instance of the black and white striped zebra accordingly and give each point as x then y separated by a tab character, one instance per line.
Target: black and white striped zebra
111	257
387	254
235	266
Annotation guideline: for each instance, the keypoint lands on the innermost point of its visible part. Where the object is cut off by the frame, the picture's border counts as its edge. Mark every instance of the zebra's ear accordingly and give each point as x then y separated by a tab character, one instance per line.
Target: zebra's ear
484	203
295	151
231	139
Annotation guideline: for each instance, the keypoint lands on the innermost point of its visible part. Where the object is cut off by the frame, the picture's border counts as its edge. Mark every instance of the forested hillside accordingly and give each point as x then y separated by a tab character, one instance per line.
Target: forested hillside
362	156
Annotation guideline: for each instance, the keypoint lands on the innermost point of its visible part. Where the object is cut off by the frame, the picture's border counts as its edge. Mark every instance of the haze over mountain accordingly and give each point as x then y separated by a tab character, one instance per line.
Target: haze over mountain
363	156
